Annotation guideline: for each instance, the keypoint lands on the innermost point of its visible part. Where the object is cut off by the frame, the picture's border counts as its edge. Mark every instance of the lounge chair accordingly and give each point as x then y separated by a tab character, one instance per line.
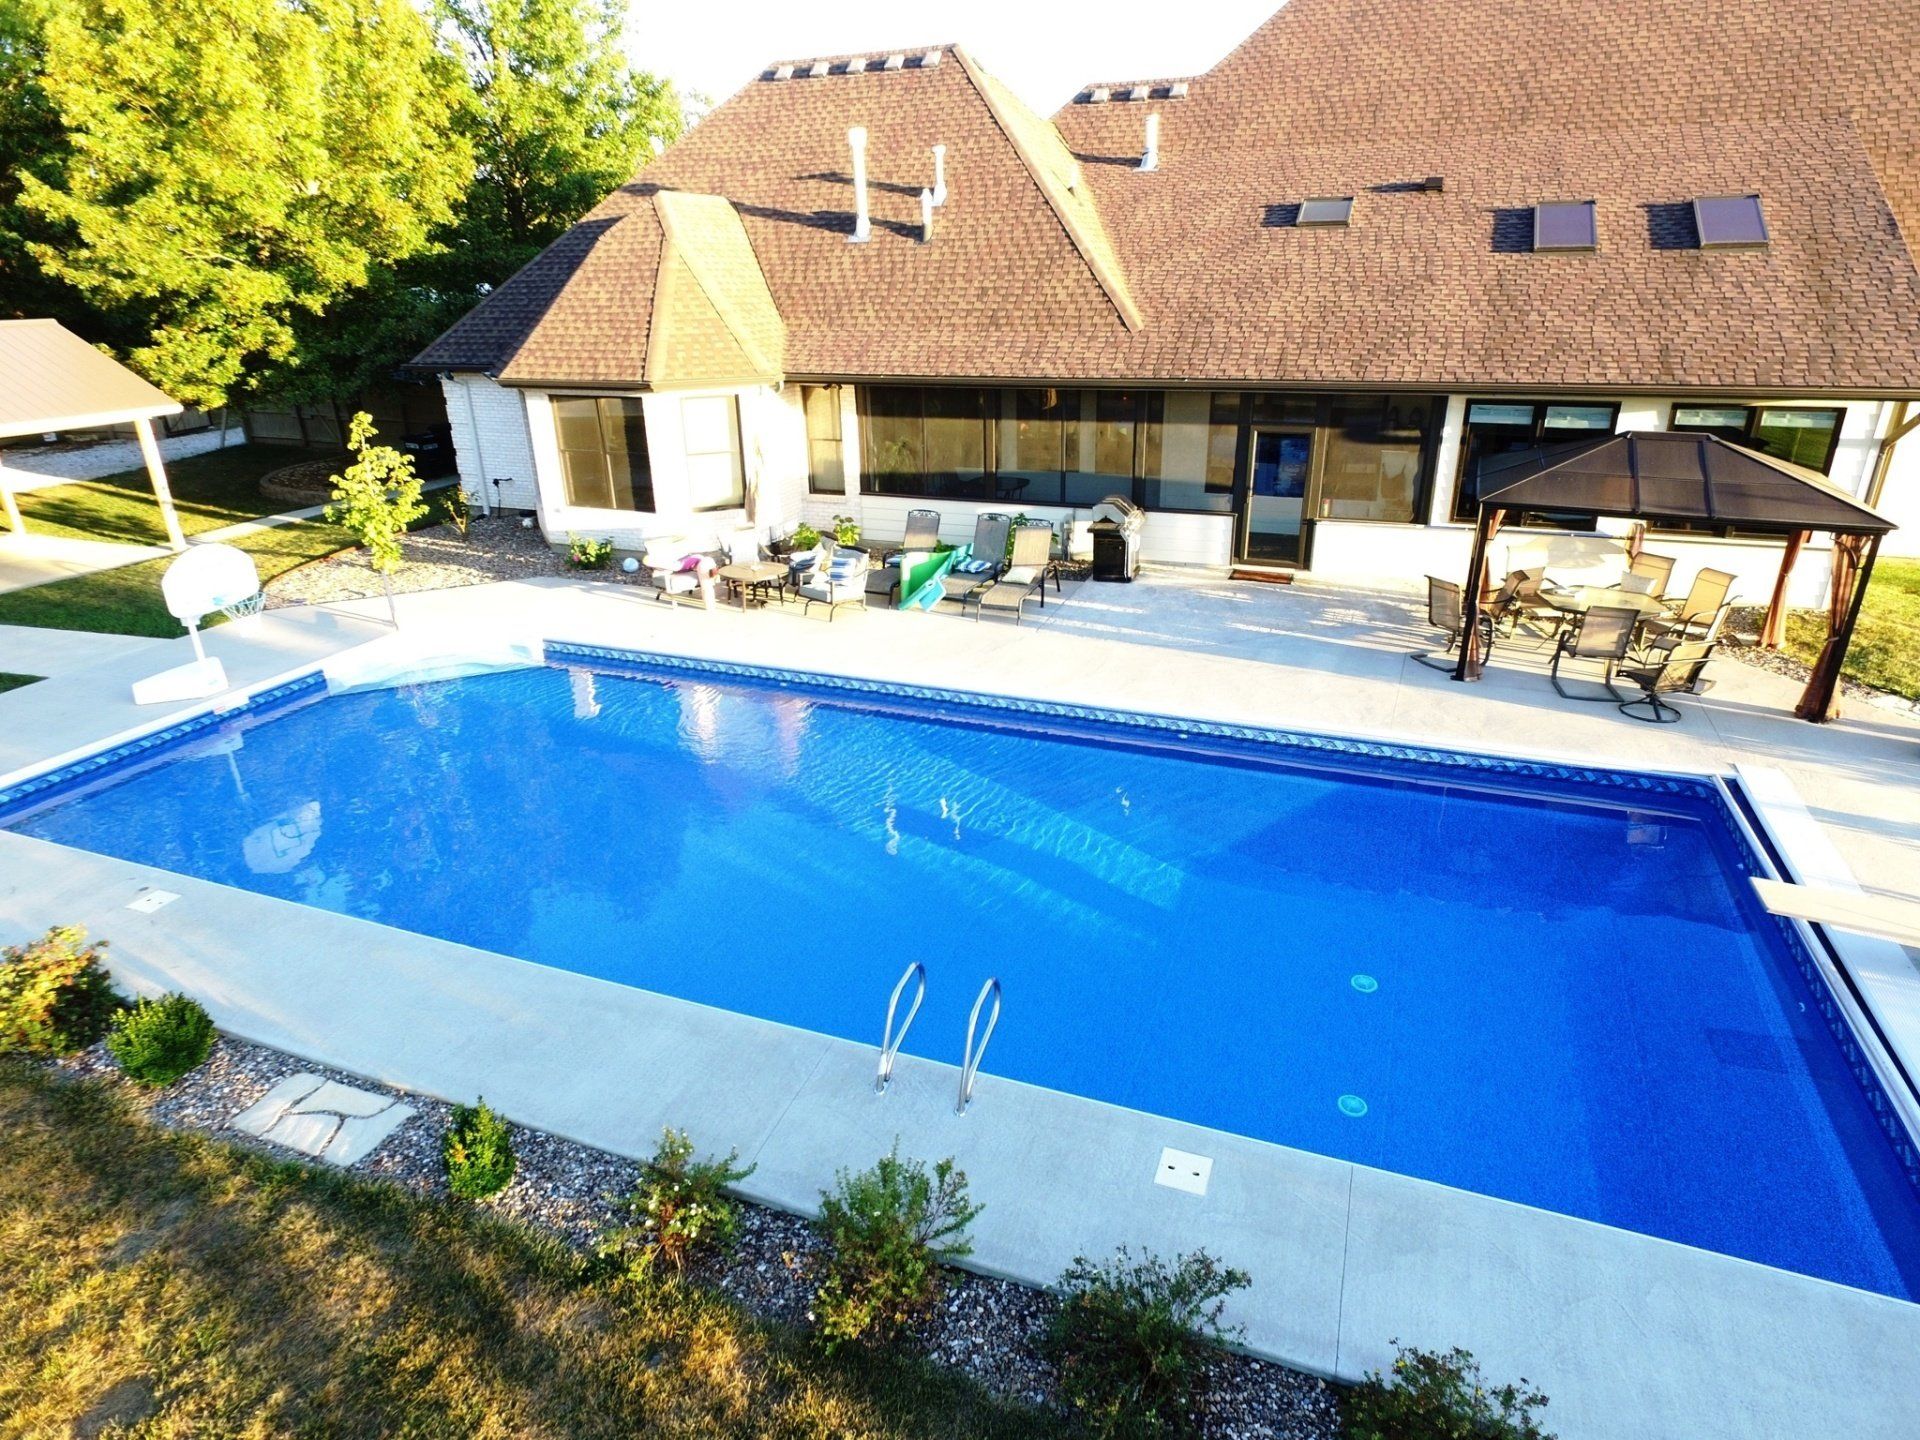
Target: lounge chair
1603	634
1670	672
837	577
1026	573
985	559
923	534
676	568
1445	612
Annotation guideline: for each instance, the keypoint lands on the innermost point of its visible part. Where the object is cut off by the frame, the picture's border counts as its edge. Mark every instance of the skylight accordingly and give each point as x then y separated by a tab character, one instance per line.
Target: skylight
1565	225
1729	221
1325	210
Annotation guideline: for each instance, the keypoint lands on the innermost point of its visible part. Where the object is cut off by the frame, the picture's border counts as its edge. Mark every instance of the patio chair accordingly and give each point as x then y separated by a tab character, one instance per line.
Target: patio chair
923	534
676	568
1026	573
1698	616
1604	633
1500	607
838	577
1676	671
1446	612
1529	608
1654	571
986	557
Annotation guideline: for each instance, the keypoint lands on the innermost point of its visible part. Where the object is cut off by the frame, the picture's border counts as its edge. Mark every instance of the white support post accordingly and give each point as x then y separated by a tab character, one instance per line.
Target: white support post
156	472
16	522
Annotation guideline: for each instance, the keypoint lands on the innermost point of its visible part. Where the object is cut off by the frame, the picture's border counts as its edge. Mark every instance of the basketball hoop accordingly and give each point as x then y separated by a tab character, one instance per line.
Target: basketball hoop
207	578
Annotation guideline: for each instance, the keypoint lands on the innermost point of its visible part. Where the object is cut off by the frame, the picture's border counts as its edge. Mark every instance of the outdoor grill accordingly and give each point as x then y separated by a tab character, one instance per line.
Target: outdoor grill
1116	529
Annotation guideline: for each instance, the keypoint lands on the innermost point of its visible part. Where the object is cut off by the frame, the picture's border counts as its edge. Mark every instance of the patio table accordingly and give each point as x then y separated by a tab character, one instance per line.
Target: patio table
751	576
1592	597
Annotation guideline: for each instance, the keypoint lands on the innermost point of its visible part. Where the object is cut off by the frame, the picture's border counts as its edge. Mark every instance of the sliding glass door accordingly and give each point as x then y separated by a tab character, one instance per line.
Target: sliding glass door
1274	512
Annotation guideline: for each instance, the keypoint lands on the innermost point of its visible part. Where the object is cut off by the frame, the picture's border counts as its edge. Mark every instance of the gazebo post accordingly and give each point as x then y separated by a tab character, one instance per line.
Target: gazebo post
16	522
156	472
1469	664
1774	629
1817	703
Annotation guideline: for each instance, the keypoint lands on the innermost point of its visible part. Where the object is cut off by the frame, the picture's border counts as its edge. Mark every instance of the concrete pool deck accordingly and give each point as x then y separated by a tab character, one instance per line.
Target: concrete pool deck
1630	1336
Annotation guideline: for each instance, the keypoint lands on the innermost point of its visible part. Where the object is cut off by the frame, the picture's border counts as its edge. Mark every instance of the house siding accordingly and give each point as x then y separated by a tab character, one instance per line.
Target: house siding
491	442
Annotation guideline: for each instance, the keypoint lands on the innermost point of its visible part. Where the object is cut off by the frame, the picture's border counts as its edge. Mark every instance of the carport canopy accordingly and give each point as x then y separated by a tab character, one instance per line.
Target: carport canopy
51	379
1664	477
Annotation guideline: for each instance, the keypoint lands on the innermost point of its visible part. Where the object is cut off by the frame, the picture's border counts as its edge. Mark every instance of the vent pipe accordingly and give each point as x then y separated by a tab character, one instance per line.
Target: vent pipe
939	174
926	216
1150	157
862	225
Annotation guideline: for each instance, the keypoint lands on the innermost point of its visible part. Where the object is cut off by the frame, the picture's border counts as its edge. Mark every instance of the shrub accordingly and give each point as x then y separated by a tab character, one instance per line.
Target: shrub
479	1152
681	1208
804	537
846	530
158	1041
586	553
887	1231
1132	1338
1433	1396
55	996
457	509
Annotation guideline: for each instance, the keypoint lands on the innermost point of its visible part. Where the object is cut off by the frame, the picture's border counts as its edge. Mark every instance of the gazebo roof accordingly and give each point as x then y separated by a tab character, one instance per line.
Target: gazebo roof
51	379
1660	475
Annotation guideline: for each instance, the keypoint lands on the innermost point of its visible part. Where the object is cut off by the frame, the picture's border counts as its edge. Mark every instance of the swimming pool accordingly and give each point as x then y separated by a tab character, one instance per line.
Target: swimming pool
1543	984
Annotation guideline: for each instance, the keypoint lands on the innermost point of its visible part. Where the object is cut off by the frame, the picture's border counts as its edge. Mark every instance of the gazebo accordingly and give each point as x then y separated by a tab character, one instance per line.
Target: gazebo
51	379
1663	477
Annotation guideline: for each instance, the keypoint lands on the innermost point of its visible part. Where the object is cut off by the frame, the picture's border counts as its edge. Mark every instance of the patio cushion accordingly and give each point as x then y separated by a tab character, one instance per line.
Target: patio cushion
1022	575
975	567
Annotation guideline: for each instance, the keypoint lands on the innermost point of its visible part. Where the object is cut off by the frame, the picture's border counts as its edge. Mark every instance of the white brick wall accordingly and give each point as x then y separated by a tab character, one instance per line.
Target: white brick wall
491	442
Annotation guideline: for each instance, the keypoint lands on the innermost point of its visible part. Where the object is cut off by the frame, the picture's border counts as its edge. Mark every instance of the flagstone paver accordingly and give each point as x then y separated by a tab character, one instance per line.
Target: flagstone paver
323	1118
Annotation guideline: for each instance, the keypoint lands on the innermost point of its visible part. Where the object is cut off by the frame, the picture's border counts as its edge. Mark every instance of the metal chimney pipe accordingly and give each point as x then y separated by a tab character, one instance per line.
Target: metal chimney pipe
862	225
1150	157
927	203
939	174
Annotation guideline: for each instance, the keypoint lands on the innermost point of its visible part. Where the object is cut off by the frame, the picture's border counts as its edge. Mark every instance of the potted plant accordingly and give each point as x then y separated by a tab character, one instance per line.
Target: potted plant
846	530
804	538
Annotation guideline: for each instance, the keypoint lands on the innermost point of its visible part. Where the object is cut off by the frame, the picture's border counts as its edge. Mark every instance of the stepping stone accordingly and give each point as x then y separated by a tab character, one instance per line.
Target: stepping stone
323	1118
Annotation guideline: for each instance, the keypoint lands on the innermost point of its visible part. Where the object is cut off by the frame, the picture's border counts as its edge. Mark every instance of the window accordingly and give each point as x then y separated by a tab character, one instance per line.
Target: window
1730	222
1565	225
1325	210
826	457
710	425
604	463
892	455
1187	460
1497	427
1374	457
1806	437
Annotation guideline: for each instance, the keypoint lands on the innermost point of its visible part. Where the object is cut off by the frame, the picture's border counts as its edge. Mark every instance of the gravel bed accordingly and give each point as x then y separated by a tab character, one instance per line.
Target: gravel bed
985	1328
1740	641
437	558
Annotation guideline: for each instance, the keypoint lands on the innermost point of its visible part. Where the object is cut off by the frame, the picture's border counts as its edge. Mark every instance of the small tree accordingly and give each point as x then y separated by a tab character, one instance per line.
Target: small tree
377	498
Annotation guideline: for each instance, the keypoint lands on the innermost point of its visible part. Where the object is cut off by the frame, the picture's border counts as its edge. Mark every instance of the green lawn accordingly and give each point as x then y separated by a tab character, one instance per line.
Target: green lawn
210	490
1886	645
181	1287
11	681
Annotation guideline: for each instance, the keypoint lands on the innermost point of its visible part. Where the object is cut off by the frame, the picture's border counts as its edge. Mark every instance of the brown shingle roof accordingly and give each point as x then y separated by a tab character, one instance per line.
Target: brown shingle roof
1058	259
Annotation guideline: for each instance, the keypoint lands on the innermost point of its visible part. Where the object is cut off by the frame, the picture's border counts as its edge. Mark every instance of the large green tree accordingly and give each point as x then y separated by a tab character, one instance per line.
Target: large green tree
228	166
556	117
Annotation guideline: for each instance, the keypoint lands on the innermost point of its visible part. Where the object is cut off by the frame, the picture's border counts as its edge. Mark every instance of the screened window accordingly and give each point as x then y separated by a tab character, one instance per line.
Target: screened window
1375	452
603	452
826	454
1805	436
710	426
1498	427
1188	453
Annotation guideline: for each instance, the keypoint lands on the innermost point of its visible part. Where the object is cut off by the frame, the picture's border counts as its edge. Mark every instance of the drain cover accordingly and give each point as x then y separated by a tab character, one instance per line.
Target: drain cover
1182	1170
148	901
1352	1106
1365	984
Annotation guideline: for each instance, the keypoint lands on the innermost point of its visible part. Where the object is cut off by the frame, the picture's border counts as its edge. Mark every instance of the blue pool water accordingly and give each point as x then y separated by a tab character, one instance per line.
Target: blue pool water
1565	997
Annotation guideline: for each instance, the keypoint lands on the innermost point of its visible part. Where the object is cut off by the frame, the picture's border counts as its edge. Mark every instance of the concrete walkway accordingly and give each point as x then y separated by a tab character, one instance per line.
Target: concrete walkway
30	559
1631	1336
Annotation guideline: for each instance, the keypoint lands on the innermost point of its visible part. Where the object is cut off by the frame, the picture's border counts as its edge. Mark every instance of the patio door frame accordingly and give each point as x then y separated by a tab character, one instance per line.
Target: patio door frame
1243	494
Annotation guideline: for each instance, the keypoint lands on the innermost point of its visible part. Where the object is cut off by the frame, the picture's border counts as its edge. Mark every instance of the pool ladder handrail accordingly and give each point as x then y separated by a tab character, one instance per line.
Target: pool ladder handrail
970	1060
889	1040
